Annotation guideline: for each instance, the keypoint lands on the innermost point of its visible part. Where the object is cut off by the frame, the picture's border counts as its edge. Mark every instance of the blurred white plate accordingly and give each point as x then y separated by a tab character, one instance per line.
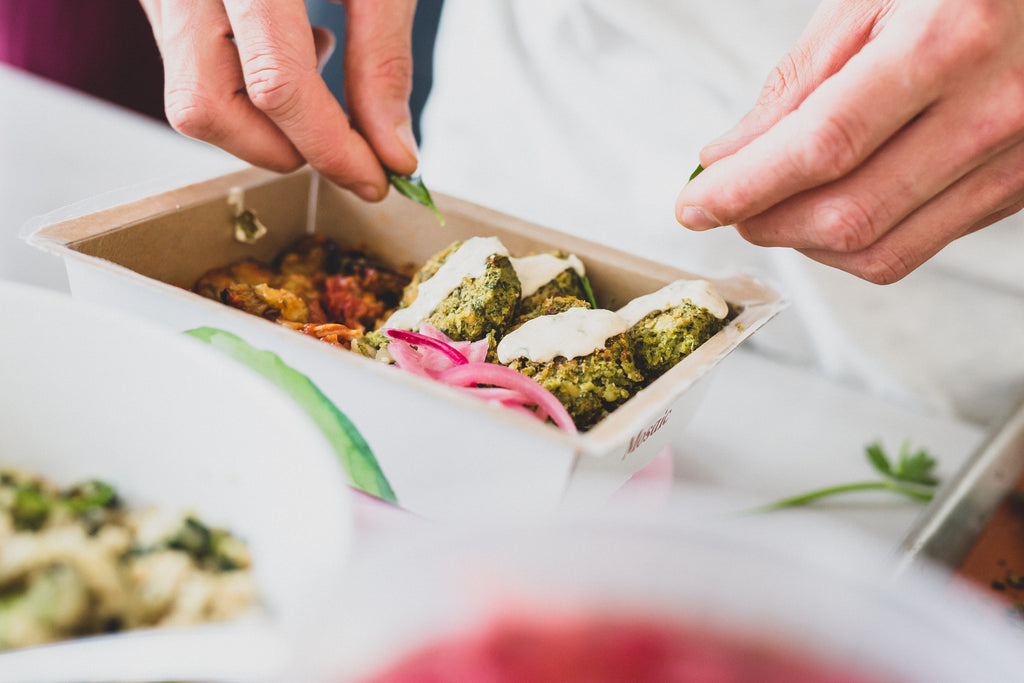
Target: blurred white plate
92	393
693	561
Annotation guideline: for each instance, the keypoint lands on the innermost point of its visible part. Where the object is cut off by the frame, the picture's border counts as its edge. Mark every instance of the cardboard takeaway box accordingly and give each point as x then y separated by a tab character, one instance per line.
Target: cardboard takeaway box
444	453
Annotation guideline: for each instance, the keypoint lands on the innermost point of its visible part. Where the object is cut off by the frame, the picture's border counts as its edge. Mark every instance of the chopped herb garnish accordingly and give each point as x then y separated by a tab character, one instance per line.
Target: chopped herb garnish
696	172
413	188
31	507
193	537
248	227
90	496
911	475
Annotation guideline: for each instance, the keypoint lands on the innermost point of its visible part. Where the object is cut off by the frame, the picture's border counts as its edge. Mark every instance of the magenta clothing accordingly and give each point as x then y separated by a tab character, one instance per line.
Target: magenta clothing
102	47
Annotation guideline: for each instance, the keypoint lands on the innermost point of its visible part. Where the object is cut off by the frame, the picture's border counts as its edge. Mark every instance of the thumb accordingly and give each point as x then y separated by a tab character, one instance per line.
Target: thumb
378	78
837	31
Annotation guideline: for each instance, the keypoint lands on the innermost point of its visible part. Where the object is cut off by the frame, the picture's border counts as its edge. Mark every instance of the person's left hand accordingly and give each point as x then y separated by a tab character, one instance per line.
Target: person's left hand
892	128
243	75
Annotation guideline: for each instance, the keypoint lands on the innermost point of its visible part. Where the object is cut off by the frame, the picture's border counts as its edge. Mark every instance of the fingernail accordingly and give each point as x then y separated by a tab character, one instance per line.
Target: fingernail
403	131
366	191
696	218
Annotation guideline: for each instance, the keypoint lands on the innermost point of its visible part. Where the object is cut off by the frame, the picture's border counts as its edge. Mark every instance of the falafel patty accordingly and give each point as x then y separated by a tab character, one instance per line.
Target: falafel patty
663	338
667	325
582	356
476	295
588	386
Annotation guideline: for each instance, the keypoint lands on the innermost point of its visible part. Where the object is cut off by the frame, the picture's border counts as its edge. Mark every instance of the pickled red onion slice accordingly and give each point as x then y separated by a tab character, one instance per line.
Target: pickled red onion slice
494	375
418	339
438	357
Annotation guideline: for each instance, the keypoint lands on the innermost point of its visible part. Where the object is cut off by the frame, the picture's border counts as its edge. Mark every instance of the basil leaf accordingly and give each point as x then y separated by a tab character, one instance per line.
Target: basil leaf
413	188
349	445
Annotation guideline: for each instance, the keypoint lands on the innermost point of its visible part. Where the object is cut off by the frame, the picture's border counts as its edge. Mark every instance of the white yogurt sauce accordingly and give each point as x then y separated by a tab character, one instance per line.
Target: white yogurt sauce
573	333
469	260
538	270
698	292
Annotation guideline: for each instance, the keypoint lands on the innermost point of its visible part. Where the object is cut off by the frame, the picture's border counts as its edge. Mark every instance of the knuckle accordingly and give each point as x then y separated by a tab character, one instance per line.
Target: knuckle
978	27
972	33
844	225
1004	118
190	113
827	152
396	71
882	266
784	78
390	78
271	87
780	80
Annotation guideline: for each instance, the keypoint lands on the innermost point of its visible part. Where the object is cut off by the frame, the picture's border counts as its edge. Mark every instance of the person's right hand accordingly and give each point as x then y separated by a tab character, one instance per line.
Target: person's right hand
892	128
244	76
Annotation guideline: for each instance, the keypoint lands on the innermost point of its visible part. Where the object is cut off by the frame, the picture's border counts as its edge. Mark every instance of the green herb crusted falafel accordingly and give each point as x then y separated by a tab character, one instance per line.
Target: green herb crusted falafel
663	338
588	386
567	283
480	306
469	291
550	306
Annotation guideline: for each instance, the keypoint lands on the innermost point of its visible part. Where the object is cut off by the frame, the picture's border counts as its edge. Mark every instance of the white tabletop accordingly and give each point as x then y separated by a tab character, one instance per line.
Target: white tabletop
764	430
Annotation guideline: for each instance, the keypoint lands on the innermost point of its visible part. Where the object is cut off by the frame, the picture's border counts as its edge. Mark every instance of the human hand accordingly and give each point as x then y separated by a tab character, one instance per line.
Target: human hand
892	128
243	75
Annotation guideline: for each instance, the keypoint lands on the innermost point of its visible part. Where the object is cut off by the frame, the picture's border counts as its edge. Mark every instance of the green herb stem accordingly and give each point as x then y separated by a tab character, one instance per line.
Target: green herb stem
917	492
590	292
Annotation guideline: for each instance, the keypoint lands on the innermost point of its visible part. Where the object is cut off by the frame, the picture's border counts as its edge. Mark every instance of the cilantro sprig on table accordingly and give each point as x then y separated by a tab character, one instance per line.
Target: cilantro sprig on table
911	474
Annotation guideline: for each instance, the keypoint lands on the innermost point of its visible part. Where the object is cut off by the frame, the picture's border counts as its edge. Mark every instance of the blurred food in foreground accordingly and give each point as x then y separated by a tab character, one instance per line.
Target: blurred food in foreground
76	561
606	649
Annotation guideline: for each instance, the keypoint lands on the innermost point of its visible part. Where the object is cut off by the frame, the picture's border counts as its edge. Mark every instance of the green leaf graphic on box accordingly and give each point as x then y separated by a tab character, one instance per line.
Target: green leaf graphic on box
350	446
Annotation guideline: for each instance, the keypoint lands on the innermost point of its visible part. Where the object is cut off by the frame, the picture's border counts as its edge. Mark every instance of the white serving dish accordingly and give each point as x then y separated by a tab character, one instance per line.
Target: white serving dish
91	393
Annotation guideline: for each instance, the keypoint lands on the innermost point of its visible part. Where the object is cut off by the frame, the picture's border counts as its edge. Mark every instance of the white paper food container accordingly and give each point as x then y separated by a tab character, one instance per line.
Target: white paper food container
445	454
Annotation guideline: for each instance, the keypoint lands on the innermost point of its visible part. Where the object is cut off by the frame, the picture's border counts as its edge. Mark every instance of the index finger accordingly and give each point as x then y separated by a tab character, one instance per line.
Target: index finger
834	129
276	48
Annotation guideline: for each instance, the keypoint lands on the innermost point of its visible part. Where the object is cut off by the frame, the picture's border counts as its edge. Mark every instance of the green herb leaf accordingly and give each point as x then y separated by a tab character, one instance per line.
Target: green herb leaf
413	188
696	172
90	496
916	467
878	458
351	448
31	507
